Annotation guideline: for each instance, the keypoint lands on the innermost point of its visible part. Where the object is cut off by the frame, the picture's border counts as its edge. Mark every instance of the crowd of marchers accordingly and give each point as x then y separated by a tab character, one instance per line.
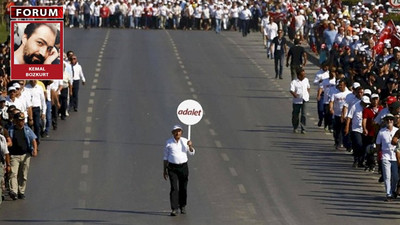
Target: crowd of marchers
29	111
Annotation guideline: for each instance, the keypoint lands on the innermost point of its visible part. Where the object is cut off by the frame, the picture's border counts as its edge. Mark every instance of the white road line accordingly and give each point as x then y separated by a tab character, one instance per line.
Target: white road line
96	75
94	86
99	60
88	119
95	81
90	109
187	77
92	93
180	62
225	157
184	71
88	130
242	189
83	186
84	169
189	83
212	132
251	208
86	154
218	144
182	66
191	89
98	69
207	121
233	172
91	101
98	64
86	141
194	96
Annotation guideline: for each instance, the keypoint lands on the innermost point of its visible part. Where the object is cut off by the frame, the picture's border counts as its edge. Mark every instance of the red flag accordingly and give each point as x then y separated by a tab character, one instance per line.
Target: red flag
389	32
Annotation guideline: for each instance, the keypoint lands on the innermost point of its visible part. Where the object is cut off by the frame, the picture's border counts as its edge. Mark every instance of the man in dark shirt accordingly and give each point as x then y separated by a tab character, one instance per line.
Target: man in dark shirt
298	57
280	48
23	147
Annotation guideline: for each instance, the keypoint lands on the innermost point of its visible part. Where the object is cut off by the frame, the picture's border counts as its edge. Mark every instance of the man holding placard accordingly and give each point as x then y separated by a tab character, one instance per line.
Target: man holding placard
176	168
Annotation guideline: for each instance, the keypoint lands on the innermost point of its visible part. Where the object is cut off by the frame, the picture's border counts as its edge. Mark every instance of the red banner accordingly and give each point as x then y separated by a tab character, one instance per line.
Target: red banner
388	33
37	12
278	16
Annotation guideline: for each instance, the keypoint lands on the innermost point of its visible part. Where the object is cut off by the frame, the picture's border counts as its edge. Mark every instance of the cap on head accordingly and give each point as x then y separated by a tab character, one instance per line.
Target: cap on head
388	116
365	99
177	127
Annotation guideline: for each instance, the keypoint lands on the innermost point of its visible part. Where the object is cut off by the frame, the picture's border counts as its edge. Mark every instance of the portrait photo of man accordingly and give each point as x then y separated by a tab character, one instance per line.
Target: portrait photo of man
36	43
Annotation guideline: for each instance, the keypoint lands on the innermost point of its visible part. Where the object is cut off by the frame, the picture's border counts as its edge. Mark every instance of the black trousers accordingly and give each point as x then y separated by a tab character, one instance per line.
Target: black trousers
178	178
73	103
63	98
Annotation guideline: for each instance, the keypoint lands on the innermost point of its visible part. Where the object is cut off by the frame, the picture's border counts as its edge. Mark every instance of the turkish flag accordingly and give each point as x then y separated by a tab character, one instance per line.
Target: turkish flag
389	32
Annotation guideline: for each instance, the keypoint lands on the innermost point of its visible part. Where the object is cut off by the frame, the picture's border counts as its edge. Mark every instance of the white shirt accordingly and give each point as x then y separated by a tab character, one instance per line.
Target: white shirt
328	86
271	30
339	100
320	75
355	114
37	96
77	73
384	138
301	89
176	151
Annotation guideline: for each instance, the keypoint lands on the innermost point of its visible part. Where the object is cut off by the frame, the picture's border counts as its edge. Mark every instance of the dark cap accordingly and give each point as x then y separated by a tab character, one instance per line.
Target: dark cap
19	116
395	105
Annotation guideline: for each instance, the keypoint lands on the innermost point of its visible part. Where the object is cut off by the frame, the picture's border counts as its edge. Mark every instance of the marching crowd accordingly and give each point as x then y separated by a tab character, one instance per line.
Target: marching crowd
359	54
28	111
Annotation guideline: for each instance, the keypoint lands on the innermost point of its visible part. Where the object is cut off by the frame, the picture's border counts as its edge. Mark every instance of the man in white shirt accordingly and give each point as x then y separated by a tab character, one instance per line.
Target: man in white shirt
300	90
386	142
321	75
355	116
337	100
39	106
176	168
77	75
270	31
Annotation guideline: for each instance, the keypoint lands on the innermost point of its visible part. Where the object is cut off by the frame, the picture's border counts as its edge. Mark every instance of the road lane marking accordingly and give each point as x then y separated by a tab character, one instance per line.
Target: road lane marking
84	169
242	189
233	172
212	132
88	119
207	121
86	154
225	157
90	109
91	101
92	93
218	144
83	186
88	130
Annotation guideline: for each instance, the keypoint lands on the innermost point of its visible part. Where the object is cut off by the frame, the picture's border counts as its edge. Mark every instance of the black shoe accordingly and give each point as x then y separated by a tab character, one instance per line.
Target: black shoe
76	109
380	180
319	123
183	210
388	199
173	213
355	165
21	196
280	78
13	196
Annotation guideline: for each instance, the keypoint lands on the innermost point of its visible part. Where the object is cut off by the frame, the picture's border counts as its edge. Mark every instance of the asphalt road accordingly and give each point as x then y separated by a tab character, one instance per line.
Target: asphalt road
104	164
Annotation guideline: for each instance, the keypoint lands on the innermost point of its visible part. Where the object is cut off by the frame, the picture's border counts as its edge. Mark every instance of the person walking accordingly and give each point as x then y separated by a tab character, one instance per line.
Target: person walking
77	76
279	45
300	90
176	168
385	143
4	159
23	147
298	57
